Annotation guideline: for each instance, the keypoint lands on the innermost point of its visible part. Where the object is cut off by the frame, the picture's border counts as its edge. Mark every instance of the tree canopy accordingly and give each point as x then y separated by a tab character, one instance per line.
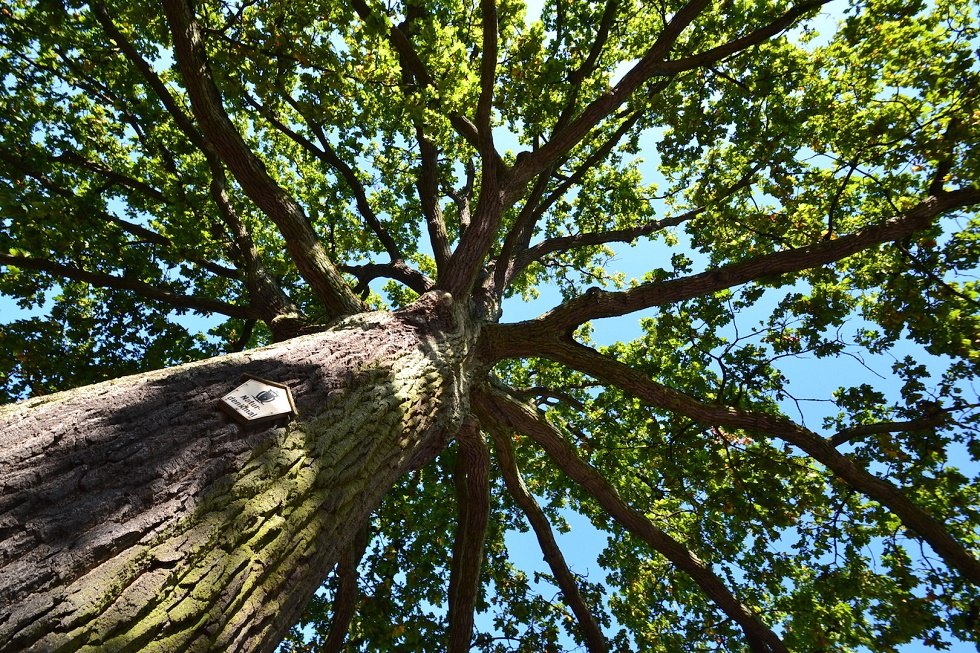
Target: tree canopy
782	449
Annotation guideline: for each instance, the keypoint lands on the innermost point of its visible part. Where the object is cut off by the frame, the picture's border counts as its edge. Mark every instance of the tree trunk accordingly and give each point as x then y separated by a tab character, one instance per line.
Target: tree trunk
136	516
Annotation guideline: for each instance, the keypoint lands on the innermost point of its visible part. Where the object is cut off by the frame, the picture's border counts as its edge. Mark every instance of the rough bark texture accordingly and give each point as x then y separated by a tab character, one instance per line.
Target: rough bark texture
160	525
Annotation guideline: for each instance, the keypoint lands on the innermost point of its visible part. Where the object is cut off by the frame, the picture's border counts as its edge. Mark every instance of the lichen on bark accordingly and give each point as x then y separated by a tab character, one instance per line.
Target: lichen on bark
165	526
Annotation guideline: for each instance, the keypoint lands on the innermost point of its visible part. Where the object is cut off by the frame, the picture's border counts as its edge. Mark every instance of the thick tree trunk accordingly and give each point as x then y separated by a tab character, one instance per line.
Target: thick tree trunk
135	516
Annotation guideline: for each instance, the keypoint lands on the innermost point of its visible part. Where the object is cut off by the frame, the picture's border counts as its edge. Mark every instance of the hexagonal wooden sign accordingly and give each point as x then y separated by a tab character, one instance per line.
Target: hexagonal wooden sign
258	401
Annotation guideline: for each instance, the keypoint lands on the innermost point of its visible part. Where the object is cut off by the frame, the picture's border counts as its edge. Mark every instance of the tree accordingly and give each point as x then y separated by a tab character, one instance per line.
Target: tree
336	184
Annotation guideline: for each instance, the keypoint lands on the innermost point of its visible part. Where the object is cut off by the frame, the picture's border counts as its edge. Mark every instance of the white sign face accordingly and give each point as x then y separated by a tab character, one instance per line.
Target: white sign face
257	400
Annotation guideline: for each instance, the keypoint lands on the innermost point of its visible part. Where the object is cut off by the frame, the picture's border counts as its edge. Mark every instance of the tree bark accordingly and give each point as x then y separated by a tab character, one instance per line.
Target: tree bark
135	516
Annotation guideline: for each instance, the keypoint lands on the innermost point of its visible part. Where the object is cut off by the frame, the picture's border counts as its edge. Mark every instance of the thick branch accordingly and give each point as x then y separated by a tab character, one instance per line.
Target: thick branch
614	373
398	270
301	241
511	258
472	481
277	310
345	597
597	303
488	76
595	641
412	63
145	290
428	190
580	74
496	407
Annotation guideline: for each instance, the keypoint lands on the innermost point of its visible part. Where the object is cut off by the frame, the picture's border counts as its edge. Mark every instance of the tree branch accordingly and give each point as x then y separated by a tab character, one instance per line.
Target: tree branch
580	74
399	271
145	290
614	373
75	159
411	61
488	76
853	433
328	155
597	303
427	186
595	641
472	481
514	257
139	231
494	406
277	310
153	80
565	243
301	241
345	597
653	63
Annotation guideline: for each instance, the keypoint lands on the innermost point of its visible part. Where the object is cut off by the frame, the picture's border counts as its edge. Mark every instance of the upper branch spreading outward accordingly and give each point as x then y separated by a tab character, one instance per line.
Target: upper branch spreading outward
822	450
304	246
495	407
488	68
654	63
141	288
597	303
328	155
277	310
411	61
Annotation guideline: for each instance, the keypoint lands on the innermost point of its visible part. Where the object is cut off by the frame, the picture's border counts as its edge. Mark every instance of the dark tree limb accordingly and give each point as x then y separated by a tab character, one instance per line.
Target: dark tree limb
592	635
580	74
328	155
242	341
410	60
277	310
853	433
614	373
143	289
488	76
520	234
427	186
398	270
565	243
597	303
301	241
495	406
472	481
462	197
345	597
427	181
